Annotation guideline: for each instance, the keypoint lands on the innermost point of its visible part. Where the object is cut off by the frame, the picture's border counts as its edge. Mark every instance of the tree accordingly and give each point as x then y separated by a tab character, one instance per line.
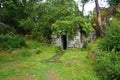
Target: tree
62	10
16	10
100	28
83	4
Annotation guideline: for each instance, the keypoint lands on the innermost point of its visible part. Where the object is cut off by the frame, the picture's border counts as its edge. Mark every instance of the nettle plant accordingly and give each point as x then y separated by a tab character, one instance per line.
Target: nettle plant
71	26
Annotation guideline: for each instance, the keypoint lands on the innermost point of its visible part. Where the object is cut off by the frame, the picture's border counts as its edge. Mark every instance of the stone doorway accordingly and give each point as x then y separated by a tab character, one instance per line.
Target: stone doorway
64	42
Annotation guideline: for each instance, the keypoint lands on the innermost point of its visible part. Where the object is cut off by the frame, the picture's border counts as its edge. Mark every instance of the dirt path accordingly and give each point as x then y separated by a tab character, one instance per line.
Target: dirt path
55	58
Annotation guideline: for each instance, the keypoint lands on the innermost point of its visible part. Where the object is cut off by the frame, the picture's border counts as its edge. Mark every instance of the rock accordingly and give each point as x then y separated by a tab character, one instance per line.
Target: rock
35	51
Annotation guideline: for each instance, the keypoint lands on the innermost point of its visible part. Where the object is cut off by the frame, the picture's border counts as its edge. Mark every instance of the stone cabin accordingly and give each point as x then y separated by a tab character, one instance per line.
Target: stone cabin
78	41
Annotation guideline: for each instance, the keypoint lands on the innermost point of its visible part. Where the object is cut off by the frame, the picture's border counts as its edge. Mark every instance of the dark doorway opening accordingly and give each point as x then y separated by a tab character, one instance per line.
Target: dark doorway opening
64	42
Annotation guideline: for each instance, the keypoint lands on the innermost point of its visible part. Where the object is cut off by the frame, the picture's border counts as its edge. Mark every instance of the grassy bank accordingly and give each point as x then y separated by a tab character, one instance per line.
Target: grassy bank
28	64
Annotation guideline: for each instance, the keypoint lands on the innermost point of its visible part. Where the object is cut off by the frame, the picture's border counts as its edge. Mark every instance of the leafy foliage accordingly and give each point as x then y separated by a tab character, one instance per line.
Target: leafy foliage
46	17
36	17
27	24
112	38
84	24
6	29
114	2
11	42
118	13
108	60
64	28
71	25
108	65
14	11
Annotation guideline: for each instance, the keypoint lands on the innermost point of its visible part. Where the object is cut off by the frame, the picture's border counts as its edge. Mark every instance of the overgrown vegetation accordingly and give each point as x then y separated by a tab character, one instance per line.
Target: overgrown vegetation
112	38
71	25
108	60
108	65
10	42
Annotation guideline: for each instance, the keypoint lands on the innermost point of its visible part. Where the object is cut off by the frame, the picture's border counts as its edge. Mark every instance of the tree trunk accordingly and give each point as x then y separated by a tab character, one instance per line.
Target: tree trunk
83	5
100	28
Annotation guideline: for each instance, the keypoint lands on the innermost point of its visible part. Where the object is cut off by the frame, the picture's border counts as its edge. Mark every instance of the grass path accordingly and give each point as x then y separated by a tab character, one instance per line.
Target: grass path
74	65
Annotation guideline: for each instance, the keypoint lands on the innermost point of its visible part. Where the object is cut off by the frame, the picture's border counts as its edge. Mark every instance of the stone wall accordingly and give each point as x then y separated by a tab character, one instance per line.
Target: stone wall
76	42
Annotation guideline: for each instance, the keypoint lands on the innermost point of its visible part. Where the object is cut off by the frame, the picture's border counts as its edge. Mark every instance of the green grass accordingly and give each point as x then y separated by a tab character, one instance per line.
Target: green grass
74	64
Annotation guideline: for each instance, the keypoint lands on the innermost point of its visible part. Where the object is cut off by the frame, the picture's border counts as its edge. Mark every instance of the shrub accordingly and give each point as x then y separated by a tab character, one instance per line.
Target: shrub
108	60
108	65
6	29
9	42
27	24
112	38
41	33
